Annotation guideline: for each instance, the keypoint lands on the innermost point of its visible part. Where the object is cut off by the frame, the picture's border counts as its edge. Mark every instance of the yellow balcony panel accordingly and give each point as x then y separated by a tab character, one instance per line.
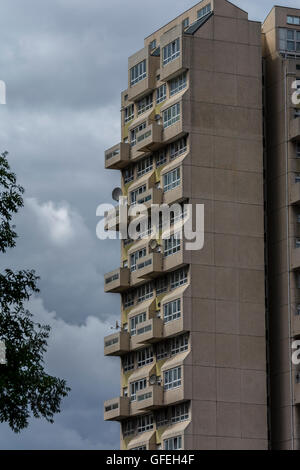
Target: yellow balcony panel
180	61
149	331
116	409
117	344
117	157
117	280
149	139
145	80
295	129
150	266
295	258
150	398
295	194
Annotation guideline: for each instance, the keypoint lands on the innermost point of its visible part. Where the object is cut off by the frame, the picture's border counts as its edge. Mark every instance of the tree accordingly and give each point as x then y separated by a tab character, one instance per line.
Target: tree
25	388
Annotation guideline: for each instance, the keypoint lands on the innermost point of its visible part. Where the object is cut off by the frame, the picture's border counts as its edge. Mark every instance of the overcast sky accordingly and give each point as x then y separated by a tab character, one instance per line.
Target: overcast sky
65	63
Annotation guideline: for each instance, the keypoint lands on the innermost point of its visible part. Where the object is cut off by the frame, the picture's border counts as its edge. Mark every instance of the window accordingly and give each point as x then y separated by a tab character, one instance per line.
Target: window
161	285
179	278
171	179
179	344
298	309
161	158
204	11
177	84
128	362
297	178
174	443
134	194
296	113
298	280
128	427
134	257
172	378
171	115
172	311
162	350
293	20
162	418
128	299
138	73
144	166
185	23
180	413
129	113
297	243
178	148
136	387
289	40
161	93
128	175
171	51
145	103
172	245
145	423
298	150
139	448
134	321
145	356
152	45
145	292
134	132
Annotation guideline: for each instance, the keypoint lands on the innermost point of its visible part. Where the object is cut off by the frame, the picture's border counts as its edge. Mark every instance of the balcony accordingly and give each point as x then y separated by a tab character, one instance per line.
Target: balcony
117	281
295	129
148	139
295	194
180	63
183	323
150	266
117	157
117	344
180	127
151	196
295	258
148	83
112	220
116	409
150	331
150	398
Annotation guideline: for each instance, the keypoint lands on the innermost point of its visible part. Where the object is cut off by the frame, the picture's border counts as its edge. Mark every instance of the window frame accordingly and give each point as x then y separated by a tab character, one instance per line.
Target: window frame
138	73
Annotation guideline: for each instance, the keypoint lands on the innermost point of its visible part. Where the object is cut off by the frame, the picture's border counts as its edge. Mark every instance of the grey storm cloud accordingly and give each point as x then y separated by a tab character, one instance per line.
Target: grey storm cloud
64	63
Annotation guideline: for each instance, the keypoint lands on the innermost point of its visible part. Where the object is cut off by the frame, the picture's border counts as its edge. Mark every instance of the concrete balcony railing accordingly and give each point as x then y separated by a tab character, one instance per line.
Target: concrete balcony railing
117	344
142	87
295	129
295	193
150	331
151	196
117	280
295	258
117	409
180	63
117	157
148	139
149	398
150	266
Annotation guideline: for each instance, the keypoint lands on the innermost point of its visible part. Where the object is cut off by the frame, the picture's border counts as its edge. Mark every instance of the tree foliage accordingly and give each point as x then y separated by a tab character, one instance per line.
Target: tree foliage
26	390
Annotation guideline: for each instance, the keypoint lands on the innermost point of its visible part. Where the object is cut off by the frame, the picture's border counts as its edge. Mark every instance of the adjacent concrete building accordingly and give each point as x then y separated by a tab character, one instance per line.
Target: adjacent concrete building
205	335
